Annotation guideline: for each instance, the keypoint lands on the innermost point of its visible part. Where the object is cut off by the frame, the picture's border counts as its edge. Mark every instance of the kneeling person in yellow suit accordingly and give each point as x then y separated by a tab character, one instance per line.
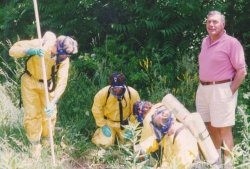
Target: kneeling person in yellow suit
160	129
56	52
112	110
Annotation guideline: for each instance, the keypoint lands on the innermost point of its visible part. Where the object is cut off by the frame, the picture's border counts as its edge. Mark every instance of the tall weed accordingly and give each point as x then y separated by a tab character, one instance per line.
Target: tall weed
241	150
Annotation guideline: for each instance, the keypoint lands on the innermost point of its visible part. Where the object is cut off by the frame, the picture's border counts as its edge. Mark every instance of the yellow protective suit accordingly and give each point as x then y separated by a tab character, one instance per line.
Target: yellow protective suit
179	151
32	88
105	110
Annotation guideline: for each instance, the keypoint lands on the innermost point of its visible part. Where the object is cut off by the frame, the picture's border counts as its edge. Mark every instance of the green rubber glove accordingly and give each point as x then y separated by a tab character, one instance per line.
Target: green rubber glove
128	134
106	131
49	110
35	51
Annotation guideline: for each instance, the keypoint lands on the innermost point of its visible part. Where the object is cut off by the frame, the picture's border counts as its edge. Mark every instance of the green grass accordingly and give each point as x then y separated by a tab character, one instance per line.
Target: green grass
75	127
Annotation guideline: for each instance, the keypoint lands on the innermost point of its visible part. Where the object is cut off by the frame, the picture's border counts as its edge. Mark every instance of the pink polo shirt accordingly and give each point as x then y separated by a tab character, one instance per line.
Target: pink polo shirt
220	60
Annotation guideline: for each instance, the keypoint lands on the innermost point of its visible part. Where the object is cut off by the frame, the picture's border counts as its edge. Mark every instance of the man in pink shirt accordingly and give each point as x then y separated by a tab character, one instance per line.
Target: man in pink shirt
222	69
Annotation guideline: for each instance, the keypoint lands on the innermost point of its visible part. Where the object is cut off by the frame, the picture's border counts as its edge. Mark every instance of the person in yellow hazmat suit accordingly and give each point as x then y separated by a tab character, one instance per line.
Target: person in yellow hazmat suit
161	131
56	52
113	109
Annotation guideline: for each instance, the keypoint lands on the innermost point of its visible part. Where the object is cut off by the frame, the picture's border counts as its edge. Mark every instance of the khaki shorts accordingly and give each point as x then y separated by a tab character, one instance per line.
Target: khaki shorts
217	104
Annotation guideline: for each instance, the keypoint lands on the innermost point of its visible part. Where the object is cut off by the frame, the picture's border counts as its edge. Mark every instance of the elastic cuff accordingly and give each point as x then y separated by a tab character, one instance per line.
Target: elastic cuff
35	142
45	138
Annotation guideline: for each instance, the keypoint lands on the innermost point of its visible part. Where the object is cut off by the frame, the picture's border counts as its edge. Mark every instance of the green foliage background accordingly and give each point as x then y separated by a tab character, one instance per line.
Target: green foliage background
154	42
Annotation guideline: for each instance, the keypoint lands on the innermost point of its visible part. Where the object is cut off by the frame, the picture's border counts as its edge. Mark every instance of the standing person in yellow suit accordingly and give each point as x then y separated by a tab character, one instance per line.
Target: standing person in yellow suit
112	110
56	52
160	129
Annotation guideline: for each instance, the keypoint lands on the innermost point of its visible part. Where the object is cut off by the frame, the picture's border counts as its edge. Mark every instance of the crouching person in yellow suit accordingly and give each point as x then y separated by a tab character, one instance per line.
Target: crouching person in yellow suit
56	52
112	110
161	130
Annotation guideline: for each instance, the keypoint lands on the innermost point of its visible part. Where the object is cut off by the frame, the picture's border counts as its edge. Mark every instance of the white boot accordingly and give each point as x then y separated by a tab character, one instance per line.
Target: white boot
36	151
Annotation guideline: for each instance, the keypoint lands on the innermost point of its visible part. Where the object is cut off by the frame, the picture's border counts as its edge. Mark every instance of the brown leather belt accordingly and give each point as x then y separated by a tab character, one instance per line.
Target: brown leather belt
215	82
